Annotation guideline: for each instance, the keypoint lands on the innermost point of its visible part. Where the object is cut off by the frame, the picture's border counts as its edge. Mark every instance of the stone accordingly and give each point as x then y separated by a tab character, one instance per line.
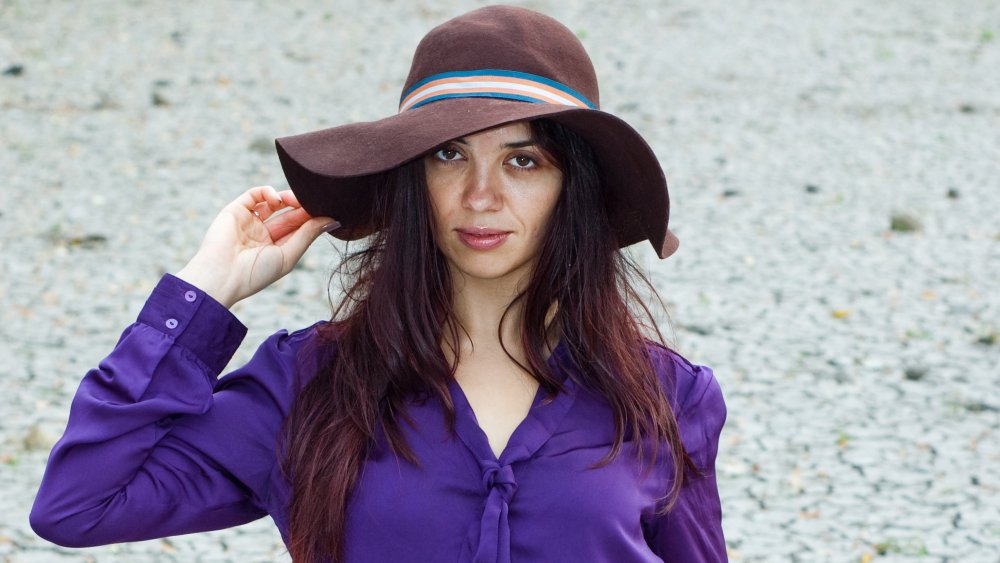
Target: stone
263	145
903	223
159	100
37	439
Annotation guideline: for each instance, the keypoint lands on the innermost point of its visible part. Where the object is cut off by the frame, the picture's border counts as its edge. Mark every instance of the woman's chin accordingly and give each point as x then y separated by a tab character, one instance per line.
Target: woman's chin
489	269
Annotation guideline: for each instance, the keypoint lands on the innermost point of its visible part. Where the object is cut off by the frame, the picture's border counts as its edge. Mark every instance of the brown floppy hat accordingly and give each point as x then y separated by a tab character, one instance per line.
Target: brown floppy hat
492	66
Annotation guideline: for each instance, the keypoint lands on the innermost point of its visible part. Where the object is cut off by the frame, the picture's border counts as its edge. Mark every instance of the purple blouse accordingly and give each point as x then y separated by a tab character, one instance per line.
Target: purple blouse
157	446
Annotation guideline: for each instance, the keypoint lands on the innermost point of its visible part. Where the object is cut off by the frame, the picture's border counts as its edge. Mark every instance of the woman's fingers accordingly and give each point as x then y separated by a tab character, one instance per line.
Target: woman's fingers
282	215
289	198
258	194
298	241
259	200
283	223
264	201
256	239
261	210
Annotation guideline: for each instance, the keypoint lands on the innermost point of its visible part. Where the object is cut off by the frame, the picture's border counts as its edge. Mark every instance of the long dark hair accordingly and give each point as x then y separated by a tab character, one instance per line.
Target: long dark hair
384	341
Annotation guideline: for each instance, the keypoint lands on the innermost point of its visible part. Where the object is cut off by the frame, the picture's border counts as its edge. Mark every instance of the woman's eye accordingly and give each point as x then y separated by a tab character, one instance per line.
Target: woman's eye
446	154
522	161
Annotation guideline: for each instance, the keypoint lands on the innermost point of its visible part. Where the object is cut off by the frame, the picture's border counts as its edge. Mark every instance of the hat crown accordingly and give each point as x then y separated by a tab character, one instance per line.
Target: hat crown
506	38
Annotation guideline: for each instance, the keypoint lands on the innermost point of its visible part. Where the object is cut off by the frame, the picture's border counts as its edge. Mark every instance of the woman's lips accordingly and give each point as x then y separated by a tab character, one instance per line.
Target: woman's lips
482	238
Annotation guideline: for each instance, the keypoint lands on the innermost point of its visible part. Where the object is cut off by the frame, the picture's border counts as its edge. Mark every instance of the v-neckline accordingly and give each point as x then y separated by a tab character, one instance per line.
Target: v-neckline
533	431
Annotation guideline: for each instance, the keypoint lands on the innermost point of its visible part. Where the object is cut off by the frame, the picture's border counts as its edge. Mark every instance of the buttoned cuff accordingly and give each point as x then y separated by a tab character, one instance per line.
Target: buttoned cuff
194	320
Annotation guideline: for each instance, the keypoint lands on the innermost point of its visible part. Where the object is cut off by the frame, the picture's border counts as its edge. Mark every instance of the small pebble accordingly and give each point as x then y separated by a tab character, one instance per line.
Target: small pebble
89	241
979	406
38	439
104	102
262	145
902	223
158	100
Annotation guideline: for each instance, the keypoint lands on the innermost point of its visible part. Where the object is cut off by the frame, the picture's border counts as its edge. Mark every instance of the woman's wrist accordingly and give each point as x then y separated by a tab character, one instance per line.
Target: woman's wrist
209	278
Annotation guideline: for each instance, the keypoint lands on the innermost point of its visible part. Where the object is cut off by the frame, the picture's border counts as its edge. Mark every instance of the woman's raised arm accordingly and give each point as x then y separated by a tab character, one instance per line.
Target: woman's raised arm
155	446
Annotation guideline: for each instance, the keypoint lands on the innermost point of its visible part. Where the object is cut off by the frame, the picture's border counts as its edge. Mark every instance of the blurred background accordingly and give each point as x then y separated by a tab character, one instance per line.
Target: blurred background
834	170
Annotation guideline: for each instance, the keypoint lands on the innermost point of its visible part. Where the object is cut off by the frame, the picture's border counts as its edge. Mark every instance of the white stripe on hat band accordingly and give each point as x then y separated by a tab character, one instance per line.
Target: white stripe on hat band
540	94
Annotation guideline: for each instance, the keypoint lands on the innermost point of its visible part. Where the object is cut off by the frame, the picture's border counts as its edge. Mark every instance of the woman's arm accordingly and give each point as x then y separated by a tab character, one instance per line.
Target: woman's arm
113	476
150	450
692	530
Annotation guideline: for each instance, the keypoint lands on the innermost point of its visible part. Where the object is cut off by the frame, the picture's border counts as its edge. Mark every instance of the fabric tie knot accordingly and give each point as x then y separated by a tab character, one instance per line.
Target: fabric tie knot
502	480
494	531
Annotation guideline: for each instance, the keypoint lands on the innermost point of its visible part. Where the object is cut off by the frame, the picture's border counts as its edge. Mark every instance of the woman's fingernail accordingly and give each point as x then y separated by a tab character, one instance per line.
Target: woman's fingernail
331	226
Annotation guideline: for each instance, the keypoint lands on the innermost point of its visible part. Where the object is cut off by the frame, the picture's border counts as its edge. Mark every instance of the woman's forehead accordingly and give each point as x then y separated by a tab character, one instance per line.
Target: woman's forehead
500	135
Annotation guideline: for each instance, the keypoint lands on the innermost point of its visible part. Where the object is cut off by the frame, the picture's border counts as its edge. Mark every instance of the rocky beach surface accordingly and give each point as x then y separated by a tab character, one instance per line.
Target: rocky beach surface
834	172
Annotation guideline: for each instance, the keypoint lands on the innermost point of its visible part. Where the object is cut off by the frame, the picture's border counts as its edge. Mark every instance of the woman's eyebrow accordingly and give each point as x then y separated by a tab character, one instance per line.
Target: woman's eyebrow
519	144
510	145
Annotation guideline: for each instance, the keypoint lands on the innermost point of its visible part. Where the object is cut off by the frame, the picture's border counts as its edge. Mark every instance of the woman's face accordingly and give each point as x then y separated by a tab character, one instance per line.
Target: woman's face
492	194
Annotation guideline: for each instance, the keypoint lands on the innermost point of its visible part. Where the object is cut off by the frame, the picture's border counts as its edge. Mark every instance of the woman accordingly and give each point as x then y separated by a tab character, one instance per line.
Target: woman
483	392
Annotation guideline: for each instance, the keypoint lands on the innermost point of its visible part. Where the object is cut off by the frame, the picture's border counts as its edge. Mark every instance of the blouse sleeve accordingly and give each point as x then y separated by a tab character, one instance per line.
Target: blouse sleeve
692	530
155	446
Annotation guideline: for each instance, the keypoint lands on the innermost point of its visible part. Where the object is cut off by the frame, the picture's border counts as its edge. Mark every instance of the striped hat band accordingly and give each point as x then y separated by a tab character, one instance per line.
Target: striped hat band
506	84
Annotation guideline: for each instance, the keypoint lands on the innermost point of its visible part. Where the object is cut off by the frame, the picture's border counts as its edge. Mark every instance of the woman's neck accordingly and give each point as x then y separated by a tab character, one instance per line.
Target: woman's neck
479	306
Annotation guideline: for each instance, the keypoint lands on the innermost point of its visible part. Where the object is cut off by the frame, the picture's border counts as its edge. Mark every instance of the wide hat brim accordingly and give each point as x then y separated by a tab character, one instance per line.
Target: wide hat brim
331	171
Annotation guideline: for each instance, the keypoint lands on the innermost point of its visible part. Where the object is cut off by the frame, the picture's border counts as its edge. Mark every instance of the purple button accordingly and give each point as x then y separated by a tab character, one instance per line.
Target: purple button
171	323
190	296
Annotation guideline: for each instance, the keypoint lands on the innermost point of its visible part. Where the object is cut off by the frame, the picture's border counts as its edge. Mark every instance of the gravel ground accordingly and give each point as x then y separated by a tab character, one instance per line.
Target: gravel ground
835	173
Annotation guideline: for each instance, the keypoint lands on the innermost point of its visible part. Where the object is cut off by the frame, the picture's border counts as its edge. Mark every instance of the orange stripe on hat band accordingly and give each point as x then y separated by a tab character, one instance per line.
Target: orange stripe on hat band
491	84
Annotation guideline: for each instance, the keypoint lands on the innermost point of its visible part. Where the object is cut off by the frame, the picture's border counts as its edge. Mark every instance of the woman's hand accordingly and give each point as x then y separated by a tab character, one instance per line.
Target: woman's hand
250	245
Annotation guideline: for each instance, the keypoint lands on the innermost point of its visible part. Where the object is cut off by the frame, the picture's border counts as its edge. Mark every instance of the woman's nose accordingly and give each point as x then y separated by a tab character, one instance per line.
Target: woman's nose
482	189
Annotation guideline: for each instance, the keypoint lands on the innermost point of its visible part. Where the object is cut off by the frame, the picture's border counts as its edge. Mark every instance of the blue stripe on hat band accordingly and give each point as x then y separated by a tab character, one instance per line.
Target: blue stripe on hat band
503	84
